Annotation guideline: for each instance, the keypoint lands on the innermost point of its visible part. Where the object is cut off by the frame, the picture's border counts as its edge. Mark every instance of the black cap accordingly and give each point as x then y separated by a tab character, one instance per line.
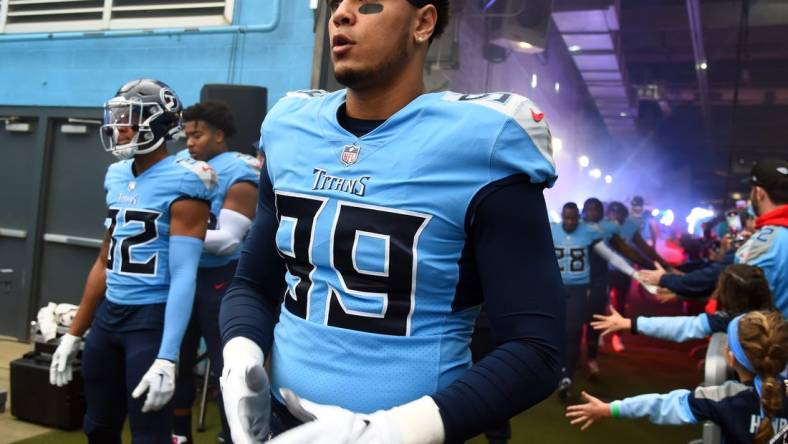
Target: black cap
637	201
771	174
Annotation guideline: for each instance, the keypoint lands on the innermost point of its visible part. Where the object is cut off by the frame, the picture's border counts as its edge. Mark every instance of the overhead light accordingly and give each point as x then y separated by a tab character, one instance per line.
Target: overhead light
736	196
584	161
596	173
667	218
703	66
558	145
533	81
608	179
574	48
70	128
524	45
655	212
696	216
622	114
557	87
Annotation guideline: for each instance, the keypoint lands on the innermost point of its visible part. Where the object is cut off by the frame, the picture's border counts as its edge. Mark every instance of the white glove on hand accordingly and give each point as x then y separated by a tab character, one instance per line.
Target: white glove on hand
61	371
649	288
159	382
418	421
246	391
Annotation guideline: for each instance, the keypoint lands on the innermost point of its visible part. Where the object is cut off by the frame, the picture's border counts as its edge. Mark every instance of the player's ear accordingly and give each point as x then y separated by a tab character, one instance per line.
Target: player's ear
424	23
218	136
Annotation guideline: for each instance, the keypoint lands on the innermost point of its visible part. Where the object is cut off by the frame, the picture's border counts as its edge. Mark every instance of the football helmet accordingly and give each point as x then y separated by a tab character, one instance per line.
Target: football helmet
150	108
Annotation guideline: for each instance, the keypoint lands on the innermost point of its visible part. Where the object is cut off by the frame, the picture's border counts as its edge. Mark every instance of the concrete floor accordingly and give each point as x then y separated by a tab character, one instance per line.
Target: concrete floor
12	430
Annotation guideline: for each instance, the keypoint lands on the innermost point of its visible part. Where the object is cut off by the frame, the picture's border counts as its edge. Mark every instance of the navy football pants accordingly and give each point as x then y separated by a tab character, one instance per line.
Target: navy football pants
576	316
204	322
598	300
113	364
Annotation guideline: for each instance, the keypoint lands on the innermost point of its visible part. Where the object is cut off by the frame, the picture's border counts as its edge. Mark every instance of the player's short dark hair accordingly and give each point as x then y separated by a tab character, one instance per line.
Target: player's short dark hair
215	114
618	207
570	206
594	201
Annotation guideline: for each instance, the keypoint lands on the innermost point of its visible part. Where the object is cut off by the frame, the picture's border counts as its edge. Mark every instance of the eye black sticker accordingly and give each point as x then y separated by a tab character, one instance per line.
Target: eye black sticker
370	8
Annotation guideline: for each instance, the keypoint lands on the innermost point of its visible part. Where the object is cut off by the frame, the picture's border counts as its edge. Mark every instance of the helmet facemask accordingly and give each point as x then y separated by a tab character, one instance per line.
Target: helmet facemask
143	117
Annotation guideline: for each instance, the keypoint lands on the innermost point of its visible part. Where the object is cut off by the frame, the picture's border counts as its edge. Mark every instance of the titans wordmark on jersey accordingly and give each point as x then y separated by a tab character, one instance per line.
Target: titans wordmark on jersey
138	221
372	230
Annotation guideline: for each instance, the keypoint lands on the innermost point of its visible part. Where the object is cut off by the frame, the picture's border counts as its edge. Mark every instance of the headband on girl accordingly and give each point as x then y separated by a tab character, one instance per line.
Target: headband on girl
734	345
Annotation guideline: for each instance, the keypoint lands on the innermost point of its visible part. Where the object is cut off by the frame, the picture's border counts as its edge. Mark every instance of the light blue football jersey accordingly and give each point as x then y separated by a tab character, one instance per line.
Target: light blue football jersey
572	251
767	249
607	227
628	229
231	168
139	222
372	229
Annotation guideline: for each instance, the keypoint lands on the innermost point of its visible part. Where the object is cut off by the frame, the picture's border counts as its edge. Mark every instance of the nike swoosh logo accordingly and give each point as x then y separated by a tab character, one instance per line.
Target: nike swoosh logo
219	286
537	116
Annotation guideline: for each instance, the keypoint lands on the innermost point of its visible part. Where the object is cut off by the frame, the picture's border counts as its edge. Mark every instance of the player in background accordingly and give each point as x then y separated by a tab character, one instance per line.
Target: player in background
387	216
593	212
750	410
142	283
207	127
574	241
648	228
621	283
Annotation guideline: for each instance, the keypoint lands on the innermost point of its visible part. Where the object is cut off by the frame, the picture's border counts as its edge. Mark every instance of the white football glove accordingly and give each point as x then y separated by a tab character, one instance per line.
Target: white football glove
417	422
649	288
159	382
246	391
61	371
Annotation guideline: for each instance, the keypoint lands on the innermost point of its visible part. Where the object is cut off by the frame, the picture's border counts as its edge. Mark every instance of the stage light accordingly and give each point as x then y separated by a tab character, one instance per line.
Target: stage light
622	114
703	65
596	173
584	161
608	179
557	87
655	212
533	81
558	145
696	216
575	48
667	218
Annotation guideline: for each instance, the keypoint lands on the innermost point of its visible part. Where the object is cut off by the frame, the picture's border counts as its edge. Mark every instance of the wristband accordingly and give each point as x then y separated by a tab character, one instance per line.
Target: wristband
614	412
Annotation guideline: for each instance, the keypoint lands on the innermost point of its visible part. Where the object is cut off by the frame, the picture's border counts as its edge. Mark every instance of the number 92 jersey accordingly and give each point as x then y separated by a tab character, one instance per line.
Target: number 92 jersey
138	221
372	230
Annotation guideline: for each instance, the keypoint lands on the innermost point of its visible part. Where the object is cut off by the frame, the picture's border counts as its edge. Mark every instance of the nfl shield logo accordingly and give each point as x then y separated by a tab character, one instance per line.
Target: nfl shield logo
350	154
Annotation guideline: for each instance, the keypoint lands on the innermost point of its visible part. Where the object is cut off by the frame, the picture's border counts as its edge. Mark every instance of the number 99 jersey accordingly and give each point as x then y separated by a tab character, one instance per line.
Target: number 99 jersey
138	221
373	233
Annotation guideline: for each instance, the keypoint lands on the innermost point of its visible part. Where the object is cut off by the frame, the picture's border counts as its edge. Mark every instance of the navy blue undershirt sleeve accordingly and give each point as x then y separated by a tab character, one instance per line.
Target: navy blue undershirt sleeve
250	307
700	283
525	302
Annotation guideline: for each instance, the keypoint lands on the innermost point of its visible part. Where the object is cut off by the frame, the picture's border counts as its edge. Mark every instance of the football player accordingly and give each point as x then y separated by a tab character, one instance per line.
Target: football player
630	232
207	127
387	215
593	211
574	241
142	283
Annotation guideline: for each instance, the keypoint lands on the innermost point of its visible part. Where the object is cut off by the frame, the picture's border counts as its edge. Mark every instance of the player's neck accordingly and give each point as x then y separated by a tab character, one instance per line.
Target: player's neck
379	102
143	162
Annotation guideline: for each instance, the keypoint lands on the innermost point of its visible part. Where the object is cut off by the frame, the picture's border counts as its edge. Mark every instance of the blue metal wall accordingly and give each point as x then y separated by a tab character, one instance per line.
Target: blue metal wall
87	71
